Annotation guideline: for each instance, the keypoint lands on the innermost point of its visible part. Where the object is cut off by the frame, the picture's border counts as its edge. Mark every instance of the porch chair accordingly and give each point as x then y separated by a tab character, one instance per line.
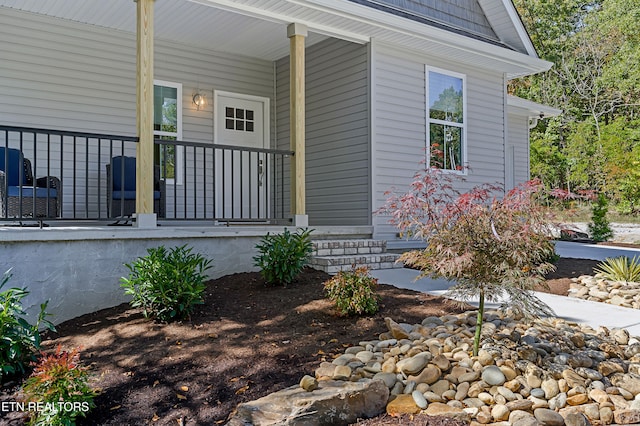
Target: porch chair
19	198
121	189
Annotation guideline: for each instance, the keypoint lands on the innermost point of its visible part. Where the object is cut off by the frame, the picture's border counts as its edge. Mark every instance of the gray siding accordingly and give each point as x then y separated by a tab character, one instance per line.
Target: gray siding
518	136
337	135
399	123
65	75
463	14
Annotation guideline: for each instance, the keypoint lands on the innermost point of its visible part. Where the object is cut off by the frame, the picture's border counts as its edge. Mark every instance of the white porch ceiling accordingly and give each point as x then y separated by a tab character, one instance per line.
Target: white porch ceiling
179	21
257	28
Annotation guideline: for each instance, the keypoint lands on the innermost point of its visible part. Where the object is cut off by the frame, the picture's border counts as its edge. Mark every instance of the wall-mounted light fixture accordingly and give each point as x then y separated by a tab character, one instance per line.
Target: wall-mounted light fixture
199	100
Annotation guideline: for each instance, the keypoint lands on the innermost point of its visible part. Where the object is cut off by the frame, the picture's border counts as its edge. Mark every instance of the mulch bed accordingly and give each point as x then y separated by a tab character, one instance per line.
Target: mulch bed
246	341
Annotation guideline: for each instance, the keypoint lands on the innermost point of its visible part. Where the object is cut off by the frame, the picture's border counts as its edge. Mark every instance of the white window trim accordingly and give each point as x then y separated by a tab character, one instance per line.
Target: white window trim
463	125
179	149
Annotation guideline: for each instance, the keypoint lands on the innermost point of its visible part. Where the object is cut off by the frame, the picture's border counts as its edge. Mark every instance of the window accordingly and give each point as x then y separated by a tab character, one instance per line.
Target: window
238	119
167	125
446	119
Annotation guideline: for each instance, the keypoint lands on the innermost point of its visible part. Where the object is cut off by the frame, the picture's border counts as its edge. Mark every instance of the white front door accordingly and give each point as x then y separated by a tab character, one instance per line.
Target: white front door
242	175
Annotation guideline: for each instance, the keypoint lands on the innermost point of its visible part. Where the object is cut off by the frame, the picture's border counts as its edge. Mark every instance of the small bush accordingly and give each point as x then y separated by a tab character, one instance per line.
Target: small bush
599	227
282	256
59	385
167	284
353	292
19	340
620	269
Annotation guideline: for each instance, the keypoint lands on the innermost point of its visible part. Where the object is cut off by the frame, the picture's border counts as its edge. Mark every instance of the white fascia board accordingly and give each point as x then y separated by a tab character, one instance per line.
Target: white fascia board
519	26
532	109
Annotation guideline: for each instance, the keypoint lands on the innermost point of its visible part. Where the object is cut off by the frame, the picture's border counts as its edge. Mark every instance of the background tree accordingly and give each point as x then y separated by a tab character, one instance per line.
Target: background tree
595	47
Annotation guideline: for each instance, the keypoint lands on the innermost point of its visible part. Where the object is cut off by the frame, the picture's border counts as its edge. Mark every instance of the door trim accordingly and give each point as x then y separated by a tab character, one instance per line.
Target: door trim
266	119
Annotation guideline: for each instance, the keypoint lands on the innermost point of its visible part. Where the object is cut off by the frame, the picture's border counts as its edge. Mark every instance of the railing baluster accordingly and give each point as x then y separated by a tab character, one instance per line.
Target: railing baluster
246	184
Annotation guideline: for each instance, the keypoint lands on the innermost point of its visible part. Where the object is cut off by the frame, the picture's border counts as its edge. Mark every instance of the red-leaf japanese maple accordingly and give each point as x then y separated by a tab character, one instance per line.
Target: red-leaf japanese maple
495	246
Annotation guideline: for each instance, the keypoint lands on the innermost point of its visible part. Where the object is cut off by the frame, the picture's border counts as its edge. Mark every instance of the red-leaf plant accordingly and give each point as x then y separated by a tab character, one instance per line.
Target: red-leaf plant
495	246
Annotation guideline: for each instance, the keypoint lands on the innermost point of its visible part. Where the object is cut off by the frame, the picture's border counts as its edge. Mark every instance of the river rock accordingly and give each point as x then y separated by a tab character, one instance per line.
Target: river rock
500	412
429	375
309	383
331	403
627	381
548	417
402	404
413	365
419	399
576	419
493	376
440	409
550	388
626	417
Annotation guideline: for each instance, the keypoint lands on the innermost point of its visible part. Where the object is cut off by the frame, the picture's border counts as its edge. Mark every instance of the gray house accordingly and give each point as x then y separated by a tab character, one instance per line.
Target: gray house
248	114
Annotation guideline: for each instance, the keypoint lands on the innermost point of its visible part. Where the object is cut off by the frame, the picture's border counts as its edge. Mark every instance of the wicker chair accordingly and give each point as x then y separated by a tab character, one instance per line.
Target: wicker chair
19	198
121	188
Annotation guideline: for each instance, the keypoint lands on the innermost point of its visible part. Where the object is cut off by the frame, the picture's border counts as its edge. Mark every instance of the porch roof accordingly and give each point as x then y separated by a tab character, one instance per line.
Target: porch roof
257	28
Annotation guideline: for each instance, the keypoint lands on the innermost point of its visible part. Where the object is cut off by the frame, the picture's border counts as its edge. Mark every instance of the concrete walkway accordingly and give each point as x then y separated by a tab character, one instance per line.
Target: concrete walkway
581	311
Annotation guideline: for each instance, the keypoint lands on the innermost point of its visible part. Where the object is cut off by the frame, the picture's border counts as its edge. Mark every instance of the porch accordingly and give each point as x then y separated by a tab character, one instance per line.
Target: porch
59	177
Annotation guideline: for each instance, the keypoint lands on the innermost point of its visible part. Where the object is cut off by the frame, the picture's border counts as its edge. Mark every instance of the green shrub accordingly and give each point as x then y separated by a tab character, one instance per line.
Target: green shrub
59	385
282	256
353	292
19	340
620	269
599	227
167	284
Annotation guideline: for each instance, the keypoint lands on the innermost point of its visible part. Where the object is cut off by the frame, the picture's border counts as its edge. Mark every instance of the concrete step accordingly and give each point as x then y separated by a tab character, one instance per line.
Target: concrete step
332	256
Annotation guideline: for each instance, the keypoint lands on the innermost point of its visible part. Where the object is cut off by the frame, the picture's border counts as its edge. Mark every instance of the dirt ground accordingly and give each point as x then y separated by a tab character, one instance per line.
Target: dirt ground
246	341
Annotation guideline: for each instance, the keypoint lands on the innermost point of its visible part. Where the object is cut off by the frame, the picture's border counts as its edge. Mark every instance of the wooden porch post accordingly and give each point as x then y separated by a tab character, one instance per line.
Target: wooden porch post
297	34
145	218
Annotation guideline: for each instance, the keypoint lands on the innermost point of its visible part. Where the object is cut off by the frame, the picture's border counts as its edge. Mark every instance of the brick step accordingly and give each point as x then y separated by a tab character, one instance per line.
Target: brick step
332	256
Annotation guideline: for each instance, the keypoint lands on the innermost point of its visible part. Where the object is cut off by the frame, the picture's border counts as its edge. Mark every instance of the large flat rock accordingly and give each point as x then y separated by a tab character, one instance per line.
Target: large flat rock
332	403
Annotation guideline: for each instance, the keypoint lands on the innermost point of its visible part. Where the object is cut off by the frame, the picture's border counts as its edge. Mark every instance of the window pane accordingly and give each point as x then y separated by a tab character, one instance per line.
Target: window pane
446	146
445	97
249	115
165	117
239	113
249	126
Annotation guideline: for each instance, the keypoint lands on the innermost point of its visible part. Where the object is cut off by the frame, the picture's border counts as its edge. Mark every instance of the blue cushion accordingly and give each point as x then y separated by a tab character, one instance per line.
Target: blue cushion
15	166
131	195
27	192
129	182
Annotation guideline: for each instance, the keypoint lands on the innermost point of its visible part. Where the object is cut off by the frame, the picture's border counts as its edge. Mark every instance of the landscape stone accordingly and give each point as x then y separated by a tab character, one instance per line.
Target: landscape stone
576	419
548	417
493	376
419	399
309	383
429	375
500	412
402	404
606	415
628	382
440	409
334	402
626	417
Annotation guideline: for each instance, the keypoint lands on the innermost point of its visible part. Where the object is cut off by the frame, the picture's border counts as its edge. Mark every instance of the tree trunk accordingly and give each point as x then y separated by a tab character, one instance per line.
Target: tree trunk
479	320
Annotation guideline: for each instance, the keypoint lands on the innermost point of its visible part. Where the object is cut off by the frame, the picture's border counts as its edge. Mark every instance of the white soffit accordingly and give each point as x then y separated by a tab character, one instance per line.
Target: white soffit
532	109
257	28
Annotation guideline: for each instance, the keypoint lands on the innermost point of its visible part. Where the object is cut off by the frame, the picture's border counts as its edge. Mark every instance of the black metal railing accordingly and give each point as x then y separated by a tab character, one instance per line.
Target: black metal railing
58	175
